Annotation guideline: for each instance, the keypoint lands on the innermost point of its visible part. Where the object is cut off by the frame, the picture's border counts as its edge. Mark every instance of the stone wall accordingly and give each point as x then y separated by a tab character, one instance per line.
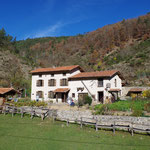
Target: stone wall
126	89
104	119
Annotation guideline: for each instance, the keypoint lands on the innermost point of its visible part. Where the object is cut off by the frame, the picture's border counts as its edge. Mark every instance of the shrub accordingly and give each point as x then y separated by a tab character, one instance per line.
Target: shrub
134	96
137	113
147	107
30	103
146	93
80	103
101	109
88	100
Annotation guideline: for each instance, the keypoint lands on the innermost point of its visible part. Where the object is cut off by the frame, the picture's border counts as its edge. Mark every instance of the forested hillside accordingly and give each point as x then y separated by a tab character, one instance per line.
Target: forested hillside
124	46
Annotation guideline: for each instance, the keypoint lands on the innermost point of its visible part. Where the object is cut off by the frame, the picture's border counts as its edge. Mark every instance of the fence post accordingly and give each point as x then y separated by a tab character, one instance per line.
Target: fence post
13	109
114	127
67	122
4	110
96	125
42	117
54	119
81	123
21	112
132	132
32	113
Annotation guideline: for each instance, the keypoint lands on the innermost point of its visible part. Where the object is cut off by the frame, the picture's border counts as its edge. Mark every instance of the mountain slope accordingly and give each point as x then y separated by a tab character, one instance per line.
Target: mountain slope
124	46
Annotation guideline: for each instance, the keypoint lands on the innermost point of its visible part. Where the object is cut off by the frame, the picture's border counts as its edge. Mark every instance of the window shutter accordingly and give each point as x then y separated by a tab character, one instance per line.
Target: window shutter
37	83
42	82
61	82
54	82
42	94
66	82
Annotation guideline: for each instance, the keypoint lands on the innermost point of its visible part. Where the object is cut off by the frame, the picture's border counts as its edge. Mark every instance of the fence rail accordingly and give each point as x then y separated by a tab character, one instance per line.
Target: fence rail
115	125
32	111
97	123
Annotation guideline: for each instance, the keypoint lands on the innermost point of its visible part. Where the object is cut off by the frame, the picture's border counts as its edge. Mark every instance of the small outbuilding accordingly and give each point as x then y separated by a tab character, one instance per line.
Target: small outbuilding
137	91
4	92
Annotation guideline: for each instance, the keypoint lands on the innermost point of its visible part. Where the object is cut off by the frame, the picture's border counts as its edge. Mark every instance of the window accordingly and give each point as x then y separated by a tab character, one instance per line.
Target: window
73	95
52	82
100	83
63	82
52	75
115	82
64	74
39	94
50	94
40	75
39	83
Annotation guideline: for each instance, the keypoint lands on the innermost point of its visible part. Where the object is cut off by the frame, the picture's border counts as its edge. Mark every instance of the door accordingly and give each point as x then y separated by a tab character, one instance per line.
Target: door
63	97
101	97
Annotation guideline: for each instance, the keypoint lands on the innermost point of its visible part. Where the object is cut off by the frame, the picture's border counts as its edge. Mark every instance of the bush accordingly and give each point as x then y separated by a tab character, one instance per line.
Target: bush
137	113
80	103
146	93
147	107
101	109
88	100
30	103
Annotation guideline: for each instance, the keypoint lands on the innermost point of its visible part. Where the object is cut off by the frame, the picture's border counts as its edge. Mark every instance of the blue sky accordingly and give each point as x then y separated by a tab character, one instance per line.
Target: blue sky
40	18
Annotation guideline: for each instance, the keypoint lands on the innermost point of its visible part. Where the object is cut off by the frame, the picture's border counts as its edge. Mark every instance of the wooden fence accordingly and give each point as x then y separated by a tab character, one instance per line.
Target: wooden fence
115	125
32	111
95	122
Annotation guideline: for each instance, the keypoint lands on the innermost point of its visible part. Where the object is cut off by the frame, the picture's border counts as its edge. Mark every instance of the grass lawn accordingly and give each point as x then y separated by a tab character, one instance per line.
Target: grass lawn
27	134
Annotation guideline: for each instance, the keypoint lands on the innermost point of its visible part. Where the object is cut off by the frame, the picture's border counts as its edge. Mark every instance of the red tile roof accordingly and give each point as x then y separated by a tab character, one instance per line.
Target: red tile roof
57	69
114	90
136	90
96	74
61	90
5	90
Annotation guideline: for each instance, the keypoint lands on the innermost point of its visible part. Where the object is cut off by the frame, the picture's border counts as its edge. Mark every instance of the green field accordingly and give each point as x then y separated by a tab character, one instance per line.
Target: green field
27	134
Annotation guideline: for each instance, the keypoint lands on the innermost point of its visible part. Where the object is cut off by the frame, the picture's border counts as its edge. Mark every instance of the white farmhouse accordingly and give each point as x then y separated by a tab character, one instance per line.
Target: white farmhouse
59	83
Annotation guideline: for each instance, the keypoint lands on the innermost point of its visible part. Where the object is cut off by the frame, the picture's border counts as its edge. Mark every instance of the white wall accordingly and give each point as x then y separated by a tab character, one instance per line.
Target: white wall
47	88
91	87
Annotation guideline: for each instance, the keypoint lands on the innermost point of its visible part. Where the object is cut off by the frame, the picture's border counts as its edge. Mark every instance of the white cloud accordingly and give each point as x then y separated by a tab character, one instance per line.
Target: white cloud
53	30
49	31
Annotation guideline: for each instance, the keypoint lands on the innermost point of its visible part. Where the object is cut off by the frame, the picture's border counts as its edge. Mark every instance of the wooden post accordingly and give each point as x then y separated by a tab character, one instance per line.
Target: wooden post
32	113
54	119
21	112
96	125
81	123
4	110
64	97
57	97
42	117
67	122
132	132
13	109
114	127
